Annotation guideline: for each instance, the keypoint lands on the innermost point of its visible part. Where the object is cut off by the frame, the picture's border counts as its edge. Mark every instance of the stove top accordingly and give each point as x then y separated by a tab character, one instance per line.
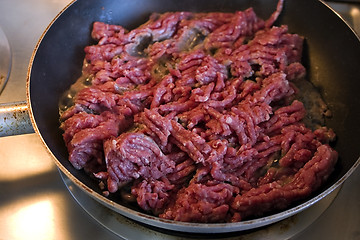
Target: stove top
36	204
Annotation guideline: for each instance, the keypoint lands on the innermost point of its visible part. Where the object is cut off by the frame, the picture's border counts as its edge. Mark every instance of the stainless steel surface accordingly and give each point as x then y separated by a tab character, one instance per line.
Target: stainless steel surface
34	202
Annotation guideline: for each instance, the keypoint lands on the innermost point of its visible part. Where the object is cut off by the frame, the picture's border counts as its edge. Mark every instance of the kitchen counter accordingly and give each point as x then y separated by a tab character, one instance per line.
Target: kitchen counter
34	201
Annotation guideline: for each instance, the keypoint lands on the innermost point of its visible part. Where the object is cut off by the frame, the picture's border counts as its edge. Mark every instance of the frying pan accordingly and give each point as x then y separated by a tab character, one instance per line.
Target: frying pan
331	56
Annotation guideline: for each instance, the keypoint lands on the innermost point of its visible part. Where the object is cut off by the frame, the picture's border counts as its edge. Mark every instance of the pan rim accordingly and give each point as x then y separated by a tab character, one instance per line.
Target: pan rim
164	223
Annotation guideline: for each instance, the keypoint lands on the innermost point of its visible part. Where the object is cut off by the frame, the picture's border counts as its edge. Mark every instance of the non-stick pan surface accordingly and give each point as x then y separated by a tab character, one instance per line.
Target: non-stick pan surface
331	56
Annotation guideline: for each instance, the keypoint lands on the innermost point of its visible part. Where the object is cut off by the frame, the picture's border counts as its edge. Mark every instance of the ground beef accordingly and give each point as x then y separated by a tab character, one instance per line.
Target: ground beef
153	195
134	155
279	194
84	135
200	116
201	203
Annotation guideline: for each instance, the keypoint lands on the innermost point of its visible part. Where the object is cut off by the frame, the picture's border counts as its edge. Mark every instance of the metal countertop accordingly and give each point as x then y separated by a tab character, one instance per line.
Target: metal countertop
35	203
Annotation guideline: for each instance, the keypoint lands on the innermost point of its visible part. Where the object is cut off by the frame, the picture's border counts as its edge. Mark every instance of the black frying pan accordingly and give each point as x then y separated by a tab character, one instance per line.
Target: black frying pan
331	56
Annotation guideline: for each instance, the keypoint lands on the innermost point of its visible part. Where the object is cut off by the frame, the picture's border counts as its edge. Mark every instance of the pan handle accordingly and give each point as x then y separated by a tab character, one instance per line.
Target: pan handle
15	119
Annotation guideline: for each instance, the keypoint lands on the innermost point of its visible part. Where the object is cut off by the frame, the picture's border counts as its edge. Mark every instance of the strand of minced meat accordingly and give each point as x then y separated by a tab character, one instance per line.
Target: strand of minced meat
154	195
84	135
201	203
134	155
277	195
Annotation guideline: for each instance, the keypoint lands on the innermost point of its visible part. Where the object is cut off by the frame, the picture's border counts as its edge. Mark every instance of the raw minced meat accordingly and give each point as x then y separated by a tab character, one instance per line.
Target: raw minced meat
200	114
